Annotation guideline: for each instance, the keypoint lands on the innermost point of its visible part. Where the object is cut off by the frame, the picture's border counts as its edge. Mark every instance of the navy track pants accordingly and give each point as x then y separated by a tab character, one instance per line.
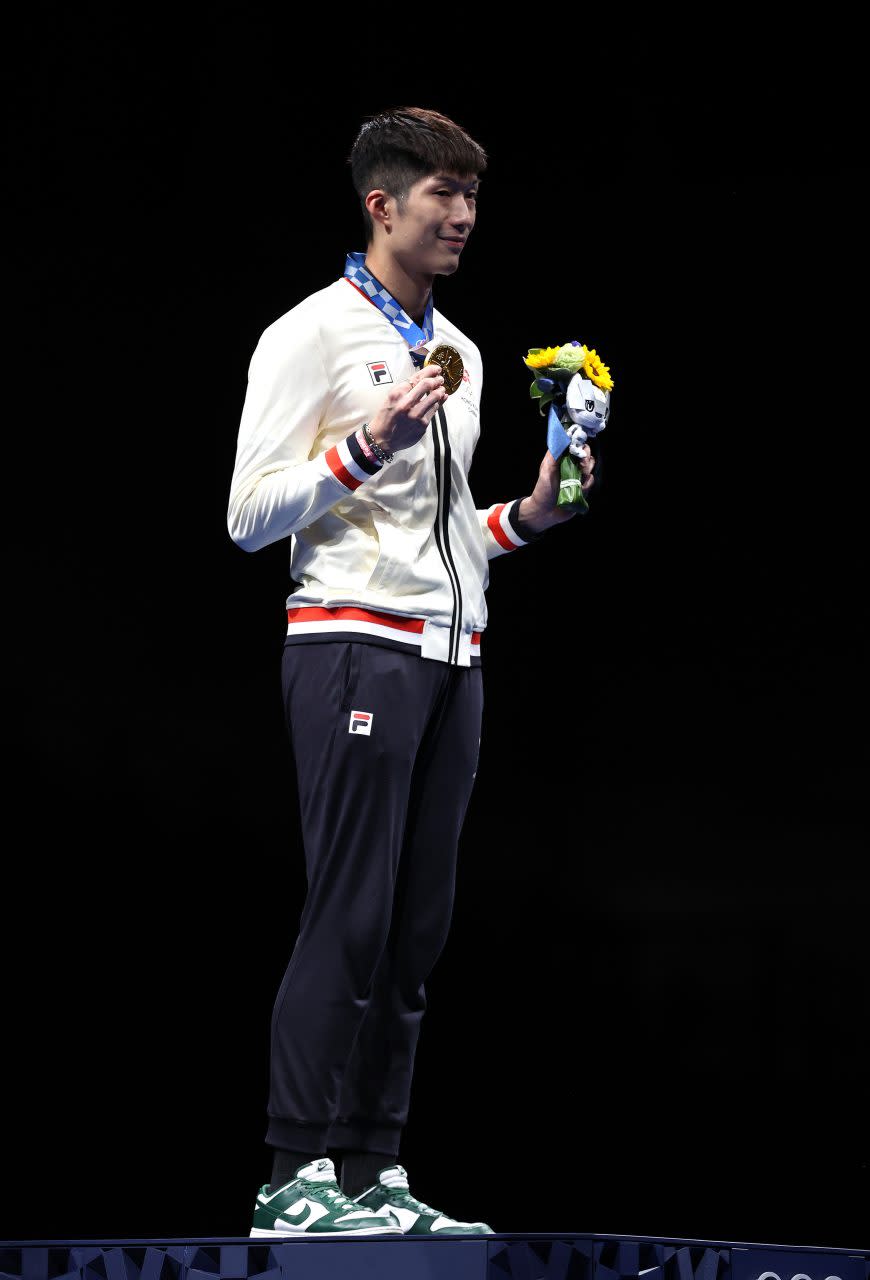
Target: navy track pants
386	746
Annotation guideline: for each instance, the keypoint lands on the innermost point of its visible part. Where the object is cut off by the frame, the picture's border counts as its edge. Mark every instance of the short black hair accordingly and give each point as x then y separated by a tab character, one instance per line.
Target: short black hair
397	148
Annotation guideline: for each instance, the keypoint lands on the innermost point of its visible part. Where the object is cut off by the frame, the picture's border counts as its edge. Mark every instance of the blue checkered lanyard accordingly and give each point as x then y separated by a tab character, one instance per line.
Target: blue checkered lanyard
359	275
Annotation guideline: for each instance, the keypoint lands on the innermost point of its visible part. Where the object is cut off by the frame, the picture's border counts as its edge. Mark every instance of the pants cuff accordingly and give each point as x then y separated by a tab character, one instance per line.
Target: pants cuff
347	1136
295	1135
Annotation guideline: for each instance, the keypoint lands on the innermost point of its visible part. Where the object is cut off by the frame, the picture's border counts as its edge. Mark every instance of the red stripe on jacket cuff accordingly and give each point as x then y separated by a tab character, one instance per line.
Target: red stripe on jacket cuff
339	470
494	522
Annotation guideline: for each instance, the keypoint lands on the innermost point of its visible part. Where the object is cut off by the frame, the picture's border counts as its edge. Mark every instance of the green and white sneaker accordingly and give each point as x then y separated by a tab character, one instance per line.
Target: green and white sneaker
391	1193
313	1204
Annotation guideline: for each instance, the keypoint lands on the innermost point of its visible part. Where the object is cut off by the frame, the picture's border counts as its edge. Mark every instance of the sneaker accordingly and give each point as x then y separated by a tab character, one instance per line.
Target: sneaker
391	1193
313	1204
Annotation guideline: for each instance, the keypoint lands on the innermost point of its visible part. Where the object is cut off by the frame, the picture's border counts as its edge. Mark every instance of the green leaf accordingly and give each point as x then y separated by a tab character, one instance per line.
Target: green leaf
570	477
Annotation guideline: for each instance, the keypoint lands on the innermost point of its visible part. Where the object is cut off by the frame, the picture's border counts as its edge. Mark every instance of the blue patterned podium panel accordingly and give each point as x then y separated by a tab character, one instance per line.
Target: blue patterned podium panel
499	1257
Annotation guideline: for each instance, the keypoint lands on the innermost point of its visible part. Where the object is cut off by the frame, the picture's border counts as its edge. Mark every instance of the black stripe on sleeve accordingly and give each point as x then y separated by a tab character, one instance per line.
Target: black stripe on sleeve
372	466
521	529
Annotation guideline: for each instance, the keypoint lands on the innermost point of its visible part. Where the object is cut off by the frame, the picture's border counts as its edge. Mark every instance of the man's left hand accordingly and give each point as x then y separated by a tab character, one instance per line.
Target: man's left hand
539	510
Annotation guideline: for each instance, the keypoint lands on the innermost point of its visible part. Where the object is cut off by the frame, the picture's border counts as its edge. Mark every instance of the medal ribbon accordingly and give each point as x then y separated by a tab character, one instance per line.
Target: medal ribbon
358	274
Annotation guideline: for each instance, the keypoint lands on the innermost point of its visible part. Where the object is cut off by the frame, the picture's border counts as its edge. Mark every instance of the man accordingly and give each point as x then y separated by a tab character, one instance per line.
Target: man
359	452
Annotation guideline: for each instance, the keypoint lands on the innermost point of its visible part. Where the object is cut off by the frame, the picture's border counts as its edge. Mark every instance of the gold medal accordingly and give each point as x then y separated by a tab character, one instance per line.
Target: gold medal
451	365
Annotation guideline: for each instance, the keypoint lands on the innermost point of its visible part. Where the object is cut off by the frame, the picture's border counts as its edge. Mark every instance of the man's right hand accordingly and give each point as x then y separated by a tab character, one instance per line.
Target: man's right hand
408	409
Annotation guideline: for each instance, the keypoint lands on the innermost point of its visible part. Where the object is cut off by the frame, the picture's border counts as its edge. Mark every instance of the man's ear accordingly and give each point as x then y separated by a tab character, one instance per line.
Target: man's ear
375	203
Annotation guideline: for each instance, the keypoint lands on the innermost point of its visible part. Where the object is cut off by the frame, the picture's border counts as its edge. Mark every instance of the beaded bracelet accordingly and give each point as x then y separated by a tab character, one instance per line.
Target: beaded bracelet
382	454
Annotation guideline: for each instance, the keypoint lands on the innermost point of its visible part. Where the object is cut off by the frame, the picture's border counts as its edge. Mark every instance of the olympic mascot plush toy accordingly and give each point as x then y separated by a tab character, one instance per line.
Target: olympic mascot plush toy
572	387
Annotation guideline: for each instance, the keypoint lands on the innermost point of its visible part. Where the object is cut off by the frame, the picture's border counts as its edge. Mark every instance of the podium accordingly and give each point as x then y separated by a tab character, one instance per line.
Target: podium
559	1256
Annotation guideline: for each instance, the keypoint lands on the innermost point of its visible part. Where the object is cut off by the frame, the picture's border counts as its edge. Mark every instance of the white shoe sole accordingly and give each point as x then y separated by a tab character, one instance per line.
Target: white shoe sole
323	1235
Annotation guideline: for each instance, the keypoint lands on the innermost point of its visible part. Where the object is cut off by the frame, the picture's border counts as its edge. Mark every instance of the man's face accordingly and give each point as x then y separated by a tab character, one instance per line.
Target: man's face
432	223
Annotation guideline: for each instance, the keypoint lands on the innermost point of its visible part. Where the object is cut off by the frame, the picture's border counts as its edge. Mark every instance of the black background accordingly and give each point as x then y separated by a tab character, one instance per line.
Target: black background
649	1016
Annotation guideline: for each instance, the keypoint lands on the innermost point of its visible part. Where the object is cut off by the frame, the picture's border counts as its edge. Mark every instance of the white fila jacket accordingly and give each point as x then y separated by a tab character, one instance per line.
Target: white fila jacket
392	553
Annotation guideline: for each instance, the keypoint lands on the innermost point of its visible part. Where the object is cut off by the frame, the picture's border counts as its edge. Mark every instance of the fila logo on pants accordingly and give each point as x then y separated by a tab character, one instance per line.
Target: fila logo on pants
361	722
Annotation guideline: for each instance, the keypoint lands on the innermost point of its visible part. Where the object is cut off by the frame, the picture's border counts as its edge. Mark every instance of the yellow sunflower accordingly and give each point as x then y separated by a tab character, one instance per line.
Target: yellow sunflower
540	357
596	371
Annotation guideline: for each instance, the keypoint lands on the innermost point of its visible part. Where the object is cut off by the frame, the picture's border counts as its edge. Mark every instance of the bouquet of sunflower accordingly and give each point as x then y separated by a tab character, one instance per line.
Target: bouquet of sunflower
572	387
